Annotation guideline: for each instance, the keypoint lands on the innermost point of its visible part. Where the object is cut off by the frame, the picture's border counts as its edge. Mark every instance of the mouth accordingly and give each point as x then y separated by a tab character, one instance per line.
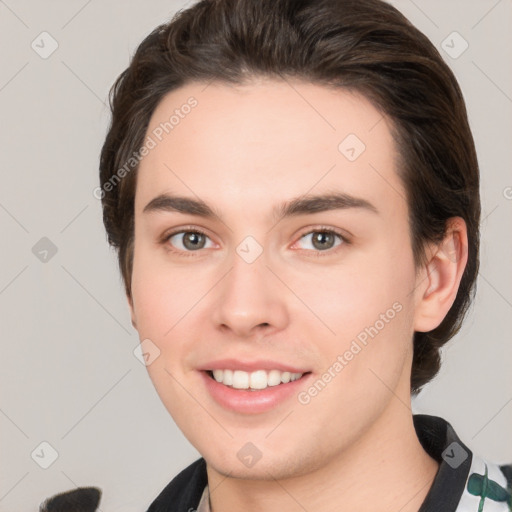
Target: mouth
258	380
253	392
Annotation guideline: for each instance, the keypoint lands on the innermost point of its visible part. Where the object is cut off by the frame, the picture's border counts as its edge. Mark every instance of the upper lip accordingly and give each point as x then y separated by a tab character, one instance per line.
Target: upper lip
250	366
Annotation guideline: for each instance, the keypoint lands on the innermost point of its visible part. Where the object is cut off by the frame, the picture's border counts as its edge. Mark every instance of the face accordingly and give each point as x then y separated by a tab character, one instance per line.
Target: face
261	277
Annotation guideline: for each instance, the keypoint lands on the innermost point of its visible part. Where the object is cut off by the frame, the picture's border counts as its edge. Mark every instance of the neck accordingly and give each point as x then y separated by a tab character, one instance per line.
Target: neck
386	469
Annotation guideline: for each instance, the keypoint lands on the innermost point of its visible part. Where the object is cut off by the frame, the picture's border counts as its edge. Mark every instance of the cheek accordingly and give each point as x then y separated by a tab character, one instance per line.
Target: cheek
153	304
369	311
160	297
354	296
159	302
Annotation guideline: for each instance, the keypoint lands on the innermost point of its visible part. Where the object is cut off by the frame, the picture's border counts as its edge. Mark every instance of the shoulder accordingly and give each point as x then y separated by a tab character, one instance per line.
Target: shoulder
488	486
465	481
184	491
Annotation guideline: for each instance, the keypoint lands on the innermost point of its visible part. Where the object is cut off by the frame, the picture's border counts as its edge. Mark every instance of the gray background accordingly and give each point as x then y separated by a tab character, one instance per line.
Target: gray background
68	373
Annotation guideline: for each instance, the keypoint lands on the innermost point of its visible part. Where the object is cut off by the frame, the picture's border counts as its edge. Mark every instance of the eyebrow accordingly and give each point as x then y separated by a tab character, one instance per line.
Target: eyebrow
302	205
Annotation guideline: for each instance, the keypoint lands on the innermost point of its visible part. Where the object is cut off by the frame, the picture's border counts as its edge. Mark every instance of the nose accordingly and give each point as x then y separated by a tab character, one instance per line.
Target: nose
250	301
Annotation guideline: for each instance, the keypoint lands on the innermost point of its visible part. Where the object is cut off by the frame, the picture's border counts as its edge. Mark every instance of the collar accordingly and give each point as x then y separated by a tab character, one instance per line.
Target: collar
440	441
464	481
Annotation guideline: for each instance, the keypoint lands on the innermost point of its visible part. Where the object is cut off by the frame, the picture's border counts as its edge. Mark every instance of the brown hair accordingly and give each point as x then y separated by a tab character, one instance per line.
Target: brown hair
362	45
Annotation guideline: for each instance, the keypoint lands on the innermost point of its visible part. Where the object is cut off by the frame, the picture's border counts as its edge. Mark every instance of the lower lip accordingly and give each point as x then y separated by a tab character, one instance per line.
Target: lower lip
252	402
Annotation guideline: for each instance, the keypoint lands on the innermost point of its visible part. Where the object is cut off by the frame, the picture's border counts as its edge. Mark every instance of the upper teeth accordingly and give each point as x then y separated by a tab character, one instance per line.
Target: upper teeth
260	379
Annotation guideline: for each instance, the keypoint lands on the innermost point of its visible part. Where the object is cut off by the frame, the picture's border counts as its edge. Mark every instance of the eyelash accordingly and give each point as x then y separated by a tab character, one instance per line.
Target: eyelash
317	254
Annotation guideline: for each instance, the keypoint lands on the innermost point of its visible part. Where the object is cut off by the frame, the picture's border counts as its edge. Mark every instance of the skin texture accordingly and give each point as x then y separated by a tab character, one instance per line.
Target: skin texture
243	150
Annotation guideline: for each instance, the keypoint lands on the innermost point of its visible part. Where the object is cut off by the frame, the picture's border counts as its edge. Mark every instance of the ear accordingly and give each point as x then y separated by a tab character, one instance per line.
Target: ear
438	282
129	298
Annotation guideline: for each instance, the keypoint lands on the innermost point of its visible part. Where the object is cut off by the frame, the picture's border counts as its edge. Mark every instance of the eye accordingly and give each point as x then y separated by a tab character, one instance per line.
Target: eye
323	239
192	240
187	241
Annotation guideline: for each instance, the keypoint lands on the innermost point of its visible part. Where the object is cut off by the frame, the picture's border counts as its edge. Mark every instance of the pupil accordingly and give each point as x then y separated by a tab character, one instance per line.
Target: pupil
192	240
321	239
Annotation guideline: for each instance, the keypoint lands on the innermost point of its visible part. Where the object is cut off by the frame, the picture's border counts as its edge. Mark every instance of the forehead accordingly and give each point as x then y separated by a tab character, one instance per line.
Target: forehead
249	145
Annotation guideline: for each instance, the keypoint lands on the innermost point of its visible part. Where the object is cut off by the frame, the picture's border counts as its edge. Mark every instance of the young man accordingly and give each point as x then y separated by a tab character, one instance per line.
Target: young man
292	187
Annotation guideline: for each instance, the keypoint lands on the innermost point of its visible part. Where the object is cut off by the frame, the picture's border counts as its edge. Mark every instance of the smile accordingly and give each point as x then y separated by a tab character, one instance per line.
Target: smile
258	391
256	380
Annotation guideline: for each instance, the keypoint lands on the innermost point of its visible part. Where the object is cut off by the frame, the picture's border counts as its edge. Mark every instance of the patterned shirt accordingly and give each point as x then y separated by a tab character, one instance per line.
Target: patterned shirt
484	491
464	481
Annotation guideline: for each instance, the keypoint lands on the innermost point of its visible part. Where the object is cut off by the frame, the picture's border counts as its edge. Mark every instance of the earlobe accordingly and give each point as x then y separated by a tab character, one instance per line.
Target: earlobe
441	277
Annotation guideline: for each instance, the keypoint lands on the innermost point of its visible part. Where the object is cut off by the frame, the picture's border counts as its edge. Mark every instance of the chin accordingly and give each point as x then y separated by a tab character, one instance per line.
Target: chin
274	466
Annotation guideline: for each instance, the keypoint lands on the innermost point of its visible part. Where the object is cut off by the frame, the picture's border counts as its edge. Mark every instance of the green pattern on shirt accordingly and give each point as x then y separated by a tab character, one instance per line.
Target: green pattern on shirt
481	485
